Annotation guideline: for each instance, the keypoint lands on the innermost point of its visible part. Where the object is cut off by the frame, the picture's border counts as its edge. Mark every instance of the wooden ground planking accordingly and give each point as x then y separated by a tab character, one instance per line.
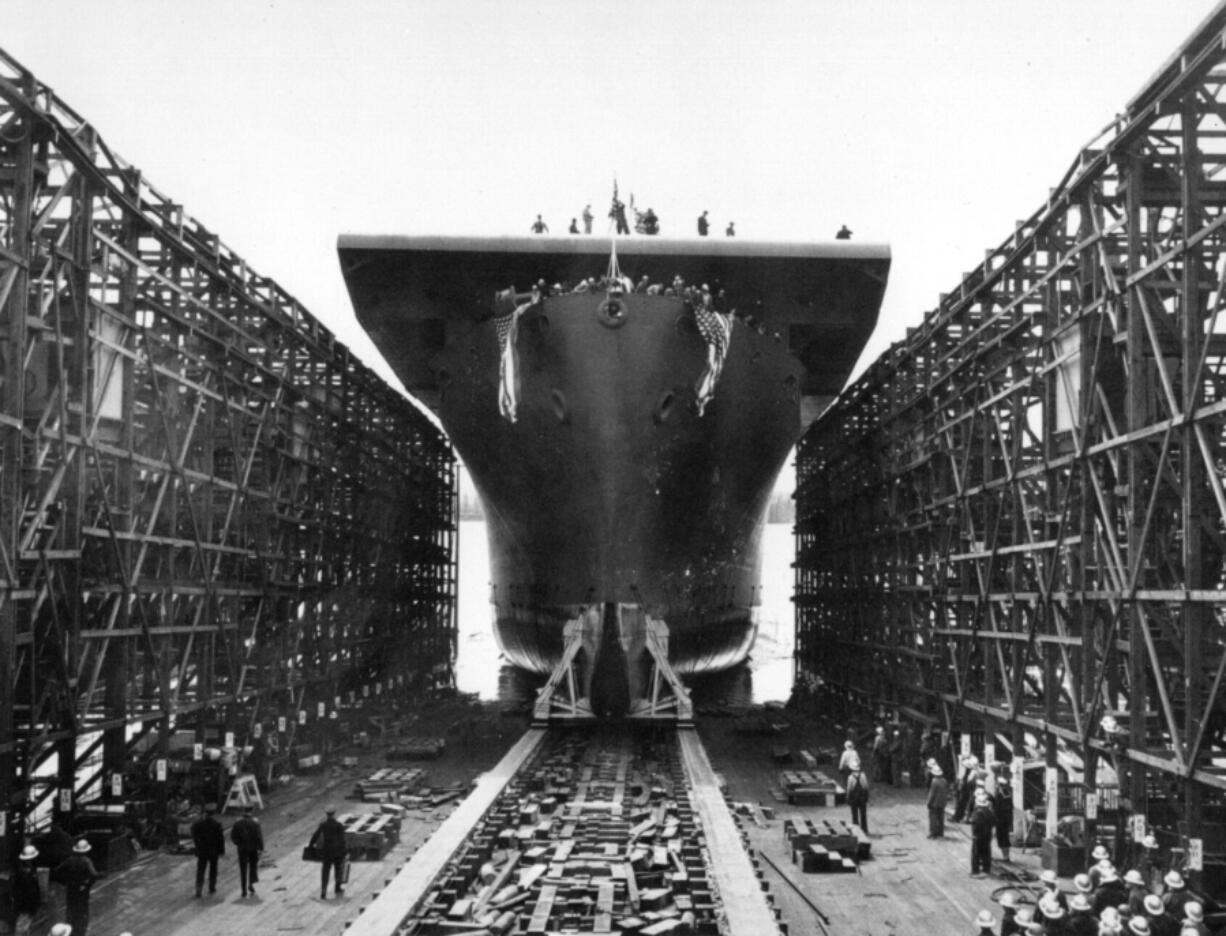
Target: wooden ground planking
744	904
411	883
156	894
911	886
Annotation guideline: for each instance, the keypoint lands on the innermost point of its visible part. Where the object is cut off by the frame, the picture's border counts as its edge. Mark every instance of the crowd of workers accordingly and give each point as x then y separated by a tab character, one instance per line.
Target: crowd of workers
645	222
1143	901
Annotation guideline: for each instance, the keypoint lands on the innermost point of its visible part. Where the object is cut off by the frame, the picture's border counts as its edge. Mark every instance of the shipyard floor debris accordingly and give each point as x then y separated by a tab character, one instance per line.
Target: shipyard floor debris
900	883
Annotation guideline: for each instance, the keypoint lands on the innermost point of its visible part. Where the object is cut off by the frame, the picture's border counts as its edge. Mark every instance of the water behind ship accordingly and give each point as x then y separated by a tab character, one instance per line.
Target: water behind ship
766	677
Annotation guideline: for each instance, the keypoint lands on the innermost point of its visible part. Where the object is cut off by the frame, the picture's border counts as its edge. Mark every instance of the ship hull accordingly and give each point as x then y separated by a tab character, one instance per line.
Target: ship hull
611	499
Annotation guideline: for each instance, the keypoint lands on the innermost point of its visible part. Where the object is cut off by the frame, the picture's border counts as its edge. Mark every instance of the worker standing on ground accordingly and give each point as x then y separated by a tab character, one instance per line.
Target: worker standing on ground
1051	888
1149	864
898	758
539	226
1194	918
1111	891
1137	892
1176	895
210	842
938	799
966	786
930	747
1008	914
587	219
1002	806
849	760
881	757
703	226
1081	920
1097	854
985	923
27	894
248	839
1161	923
857	798
1110	923
329	841
77	873
982	821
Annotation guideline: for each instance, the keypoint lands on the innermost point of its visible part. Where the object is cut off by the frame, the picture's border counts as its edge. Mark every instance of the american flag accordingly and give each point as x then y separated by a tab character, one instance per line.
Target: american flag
716	330
508	364
507	327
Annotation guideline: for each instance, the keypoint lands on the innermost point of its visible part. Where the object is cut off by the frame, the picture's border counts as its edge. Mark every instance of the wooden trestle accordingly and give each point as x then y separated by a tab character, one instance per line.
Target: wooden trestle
1012	527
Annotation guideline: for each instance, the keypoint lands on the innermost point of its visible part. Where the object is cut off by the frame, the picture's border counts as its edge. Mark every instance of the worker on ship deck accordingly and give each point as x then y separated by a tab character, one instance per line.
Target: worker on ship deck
539	226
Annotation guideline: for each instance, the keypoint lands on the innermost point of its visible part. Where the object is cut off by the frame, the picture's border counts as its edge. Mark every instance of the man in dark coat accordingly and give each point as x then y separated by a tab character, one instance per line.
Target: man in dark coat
1081	920
982	822
966	787
1008	914
938	797
881	757
1137	891
329	841
54	846
248	839
77	873
857	798
1176	895
27	894
1161	923
930	747
898	759
210	841
1002	806
1111	892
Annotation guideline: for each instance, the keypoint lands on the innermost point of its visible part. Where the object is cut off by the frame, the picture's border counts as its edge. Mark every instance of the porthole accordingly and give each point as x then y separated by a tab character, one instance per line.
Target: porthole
612	313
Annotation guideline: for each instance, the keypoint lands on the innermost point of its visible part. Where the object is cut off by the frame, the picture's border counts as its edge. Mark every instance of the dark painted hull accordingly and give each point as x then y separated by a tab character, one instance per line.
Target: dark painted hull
610	499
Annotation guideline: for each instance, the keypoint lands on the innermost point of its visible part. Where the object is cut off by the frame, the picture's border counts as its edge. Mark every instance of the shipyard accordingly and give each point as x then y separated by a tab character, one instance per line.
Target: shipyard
591	501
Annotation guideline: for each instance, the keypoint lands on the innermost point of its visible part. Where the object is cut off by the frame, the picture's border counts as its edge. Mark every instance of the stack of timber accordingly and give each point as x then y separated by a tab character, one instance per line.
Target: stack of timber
427	798
370	836
825	845
811	788
593	836
760	723
388	783
417	747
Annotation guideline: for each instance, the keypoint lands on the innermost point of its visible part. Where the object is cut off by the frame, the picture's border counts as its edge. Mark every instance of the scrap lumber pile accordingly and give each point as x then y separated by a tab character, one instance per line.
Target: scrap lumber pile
827	845
811	788
388	783
416	747
370	836
588	838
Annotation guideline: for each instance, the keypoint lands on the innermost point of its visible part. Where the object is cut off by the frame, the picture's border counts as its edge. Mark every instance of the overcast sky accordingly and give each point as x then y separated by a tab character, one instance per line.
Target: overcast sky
931	126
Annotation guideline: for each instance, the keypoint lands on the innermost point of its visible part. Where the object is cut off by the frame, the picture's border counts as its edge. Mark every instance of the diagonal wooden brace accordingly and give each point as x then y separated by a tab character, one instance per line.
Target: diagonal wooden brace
666	698
559	699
